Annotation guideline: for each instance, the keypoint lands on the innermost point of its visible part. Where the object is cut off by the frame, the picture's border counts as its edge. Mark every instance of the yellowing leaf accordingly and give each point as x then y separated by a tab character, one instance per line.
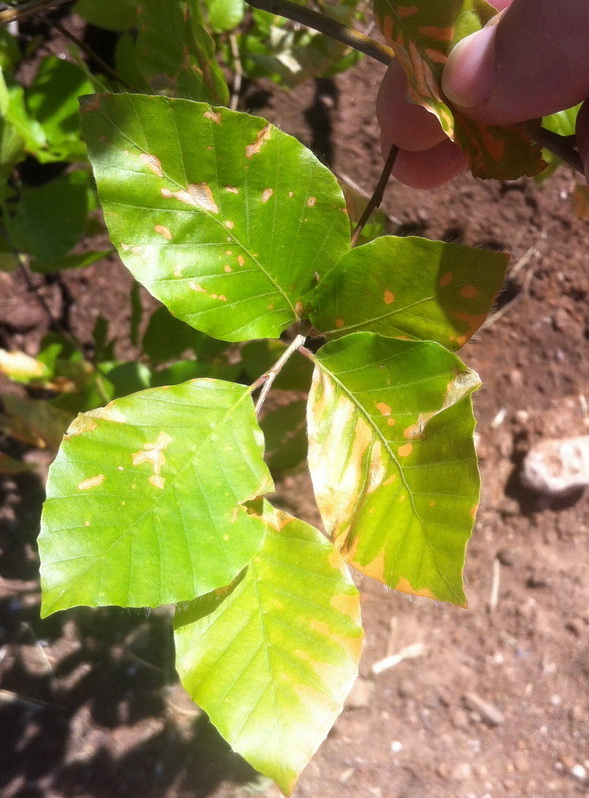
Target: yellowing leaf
422	34
272	658
392	460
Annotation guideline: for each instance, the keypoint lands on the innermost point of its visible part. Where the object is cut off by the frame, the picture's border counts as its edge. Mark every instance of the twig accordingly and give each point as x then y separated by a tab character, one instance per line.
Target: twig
494	318
269	376
27	9
331	27
378	194
90	53
494	597
409	652
237	72
560	146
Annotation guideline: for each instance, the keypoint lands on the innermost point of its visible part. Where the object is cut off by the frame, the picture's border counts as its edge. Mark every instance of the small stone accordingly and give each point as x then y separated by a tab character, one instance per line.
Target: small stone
489	713
574	627
505	557
521	764
556	467
462	771
579	772
361	694
443	770
459	718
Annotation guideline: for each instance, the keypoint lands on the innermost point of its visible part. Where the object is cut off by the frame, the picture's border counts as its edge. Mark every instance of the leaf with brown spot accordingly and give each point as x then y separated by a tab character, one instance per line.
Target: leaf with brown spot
175	54
422	34
272	661
395	498
181	184
154	481
409	287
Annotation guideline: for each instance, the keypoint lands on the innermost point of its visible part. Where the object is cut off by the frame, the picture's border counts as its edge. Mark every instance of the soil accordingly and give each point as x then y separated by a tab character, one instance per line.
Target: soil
482	703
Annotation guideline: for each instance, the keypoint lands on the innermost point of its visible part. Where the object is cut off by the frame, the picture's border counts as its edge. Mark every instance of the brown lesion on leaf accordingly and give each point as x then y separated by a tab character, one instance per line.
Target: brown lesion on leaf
405	450
347	604
406	587
469	292
262	136
153	454
82	423
445	279
153	163
384	409
214	116
266	194
198	195
388	297
91	482
90	103
163	231
109	412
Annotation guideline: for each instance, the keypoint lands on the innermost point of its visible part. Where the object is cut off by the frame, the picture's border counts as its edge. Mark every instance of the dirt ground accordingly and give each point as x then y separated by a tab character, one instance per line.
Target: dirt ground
486	702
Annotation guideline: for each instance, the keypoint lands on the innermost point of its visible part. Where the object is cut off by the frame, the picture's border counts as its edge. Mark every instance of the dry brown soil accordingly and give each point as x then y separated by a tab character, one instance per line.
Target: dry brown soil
89	706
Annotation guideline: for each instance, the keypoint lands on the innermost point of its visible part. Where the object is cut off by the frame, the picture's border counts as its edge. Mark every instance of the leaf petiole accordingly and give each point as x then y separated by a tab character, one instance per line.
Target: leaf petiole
267	379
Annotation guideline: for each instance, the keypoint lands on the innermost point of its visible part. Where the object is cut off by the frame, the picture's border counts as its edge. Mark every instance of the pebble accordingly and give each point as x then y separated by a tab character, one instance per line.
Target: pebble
462	771
579	772
556	467
489	712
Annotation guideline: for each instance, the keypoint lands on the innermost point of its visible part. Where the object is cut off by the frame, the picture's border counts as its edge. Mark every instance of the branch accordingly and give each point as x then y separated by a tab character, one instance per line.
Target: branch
378	194
27	9
561	146
331	27
269	376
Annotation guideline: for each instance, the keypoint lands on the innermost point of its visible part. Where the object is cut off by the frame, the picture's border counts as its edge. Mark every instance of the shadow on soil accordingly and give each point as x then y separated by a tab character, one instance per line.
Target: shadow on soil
89	700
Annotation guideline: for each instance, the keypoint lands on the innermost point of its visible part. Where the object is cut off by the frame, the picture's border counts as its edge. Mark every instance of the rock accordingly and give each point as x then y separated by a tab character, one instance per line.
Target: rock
556	467
488	712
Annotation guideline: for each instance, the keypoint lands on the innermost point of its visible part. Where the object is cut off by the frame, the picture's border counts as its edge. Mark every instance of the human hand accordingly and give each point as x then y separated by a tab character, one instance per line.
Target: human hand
532	62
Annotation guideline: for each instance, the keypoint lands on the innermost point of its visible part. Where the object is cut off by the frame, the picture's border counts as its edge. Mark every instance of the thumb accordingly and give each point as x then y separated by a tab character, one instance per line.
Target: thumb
533	62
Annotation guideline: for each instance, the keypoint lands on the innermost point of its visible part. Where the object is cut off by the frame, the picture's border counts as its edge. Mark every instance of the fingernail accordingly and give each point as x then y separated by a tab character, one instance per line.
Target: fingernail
469	75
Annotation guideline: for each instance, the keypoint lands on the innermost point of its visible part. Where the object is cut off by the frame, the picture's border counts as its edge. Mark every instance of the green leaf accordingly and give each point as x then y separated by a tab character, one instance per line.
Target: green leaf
176	55
33	421
118	16
166	338
272	658
145	500
422	34
52	102
70	261
49	220
392	459
223	15
285	432
409	287
8	465
221	216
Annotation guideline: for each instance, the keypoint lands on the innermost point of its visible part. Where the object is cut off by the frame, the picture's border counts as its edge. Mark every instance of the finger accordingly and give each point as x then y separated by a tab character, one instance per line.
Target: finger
534	62
430	168
402	123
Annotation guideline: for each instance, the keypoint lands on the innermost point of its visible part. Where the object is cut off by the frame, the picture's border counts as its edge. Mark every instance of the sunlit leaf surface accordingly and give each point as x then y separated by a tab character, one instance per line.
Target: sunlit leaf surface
409	287
392	459
145	499
272	658
224	218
